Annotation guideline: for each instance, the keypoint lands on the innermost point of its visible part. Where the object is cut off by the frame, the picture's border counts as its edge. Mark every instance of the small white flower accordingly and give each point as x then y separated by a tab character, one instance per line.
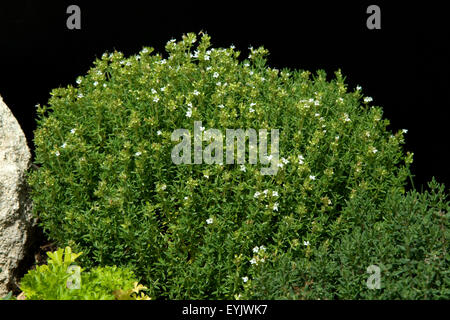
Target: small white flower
316	103
251	73
185	198
251	110
245	279
128	63
274	194
374	150
275	206
154	91
368	99
317	115
163	61
137	154
206	176
57	153
196	93
269	157
221	106
215	75
262	259
232	46
306	243
145	50
300	159
367	134
285	161
262	248
218	83
253	261
255	249
405	130
189	112
358	88
246	64
158	132
266	192
163	187
346	118
80	96
337	138
64	145
79	80
257	194
104	85
340	100
209	221
72	131
206	57
312	177
243	168
155	99
163	89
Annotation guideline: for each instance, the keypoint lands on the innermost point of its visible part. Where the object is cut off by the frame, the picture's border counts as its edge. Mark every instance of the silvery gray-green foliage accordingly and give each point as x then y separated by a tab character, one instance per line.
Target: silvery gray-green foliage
107	186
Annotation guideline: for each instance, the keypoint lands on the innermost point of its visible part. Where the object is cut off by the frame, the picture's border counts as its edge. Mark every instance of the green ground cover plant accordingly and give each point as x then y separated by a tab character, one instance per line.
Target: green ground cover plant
406	236
107	186
54	281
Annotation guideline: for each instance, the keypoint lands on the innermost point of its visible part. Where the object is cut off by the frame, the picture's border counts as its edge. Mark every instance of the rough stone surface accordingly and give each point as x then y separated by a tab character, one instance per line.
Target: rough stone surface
16	221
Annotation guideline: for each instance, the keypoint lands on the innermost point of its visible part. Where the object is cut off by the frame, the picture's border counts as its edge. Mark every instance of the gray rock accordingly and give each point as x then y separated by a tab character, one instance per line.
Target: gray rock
16	220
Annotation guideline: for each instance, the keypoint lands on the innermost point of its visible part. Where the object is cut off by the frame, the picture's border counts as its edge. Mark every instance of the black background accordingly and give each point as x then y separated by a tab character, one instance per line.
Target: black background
404	66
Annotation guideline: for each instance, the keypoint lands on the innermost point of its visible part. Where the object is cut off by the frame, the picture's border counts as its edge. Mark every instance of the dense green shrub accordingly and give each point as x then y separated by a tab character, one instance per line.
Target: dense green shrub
55	281
406	237
107	184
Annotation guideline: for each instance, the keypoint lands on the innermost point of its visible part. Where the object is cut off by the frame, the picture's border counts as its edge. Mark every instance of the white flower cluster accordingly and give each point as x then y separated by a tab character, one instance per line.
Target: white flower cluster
309	102
265	193
189	110
259	255
346	118
301	159
283	162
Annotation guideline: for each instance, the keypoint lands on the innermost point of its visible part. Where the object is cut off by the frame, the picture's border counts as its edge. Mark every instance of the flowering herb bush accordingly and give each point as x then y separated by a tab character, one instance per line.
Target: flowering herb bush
107	184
